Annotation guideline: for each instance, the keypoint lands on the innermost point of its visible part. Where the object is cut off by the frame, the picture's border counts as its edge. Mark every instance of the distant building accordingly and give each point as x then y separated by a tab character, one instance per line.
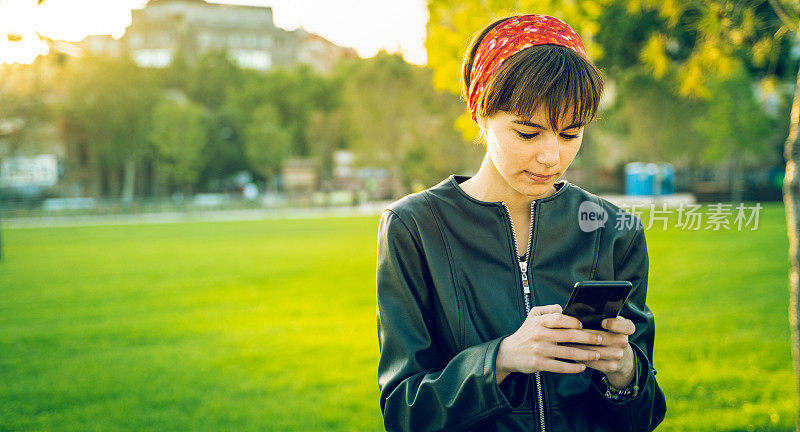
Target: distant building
320	53
101	44
300	175
165	28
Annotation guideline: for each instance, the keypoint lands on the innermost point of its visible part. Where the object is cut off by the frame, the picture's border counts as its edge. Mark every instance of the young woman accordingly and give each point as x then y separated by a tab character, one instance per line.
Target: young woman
473	272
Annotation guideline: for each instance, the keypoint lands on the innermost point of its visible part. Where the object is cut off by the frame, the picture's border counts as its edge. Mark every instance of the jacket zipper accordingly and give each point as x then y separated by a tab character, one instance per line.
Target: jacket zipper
523	267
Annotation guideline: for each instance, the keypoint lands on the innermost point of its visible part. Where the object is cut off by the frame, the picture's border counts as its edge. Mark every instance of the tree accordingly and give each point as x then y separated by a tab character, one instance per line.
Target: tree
178	137
108	109
396	120
652	119
28	95
267	143
326	135
224	152
210	82
296	93
211	78
735	127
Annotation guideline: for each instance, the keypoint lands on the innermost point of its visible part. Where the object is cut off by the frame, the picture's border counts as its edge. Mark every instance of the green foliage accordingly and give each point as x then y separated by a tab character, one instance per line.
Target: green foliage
704	40
109	104
395	119
212	78
621	34
177	74
653	119
178	136
733	122
24	91
267	143
107	108
295	93
326	135
108	112
224	151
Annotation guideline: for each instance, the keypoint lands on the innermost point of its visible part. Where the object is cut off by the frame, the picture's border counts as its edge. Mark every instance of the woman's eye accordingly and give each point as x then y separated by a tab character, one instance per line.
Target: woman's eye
532	135
527	136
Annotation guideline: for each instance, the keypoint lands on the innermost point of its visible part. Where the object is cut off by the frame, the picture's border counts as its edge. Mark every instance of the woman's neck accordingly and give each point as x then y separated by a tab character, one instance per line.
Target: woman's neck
488	185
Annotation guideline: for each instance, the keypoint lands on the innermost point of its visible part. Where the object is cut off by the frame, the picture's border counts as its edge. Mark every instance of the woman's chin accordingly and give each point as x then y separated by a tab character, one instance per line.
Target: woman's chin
536	190
533	191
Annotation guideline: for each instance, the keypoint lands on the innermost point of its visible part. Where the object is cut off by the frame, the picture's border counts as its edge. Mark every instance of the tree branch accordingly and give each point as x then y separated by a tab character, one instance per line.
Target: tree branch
776	6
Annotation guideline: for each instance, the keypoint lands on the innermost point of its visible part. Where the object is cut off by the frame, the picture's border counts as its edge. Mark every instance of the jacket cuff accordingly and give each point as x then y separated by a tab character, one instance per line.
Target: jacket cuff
511	392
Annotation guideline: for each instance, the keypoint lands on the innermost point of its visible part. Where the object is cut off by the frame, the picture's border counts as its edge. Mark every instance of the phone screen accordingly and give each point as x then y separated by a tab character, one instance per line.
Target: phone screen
593	301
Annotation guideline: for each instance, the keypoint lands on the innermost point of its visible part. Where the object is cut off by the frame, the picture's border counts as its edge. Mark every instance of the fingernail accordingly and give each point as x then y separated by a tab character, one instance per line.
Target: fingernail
599	339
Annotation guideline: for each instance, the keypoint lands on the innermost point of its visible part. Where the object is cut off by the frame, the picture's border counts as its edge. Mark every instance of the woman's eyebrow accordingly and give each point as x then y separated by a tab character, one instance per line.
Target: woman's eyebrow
536	125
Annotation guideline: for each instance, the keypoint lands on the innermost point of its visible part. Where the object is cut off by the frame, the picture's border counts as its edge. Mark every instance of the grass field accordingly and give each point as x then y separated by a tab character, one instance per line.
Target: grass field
270	325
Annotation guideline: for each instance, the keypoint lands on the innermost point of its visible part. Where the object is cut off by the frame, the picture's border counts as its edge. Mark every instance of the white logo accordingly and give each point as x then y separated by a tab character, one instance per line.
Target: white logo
591	216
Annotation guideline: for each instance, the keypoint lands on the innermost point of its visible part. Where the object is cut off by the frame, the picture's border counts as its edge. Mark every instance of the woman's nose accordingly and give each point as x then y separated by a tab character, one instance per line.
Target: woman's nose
548	152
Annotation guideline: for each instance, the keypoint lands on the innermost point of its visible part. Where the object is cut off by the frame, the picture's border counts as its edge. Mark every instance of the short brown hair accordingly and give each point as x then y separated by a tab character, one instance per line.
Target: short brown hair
549	74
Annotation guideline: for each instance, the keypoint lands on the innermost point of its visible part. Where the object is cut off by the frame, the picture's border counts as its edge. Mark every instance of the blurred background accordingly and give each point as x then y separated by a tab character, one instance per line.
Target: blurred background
190	190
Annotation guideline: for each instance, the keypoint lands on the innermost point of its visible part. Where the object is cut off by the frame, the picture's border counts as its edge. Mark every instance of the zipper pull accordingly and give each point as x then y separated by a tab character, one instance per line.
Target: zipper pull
523	266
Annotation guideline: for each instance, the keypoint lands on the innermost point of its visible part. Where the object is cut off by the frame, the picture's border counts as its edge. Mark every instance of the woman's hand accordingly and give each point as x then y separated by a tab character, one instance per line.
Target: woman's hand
539	343
616	355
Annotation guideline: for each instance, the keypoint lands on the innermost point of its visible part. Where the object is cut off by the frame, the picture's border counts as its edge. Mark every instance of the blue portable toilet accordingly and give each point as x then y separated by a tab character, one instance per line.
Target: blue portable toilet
632	171
640	178
667	178
646	179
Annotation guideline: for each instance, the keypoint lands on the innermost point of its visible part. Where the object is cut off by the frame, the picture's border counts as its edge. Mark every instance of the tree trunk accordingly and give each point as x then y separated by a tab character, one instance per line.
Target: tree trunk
129	181
157	180
791	200
736	175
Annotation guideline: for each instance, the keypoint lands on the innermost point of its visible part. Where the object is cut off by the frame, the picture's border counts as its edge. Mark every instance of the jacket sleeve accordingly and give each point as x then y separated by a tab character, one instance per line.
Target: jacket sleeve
647	410
421	389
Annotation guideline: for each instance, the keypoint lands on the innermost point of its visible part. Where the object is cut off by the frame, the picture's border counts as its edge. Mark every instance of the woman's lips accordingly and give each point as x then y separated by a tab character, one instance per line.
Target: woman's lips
538	178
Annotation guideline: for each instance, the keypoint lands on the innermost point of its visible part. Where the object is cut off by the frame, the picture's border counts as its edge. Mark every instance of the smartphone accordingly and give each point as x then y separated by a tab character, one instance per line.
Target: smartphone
593	301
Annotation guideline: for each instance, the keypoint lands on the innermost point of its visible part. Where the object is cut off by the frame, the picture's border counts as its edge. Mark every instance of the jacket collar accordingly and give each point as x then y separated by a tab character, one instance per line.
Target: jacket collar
454	181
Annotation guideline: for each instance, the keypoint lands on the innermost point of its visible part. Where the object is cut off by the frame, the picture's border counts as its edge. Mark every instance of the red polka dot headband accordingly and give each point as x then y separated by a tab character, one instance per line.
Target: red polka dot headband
510	37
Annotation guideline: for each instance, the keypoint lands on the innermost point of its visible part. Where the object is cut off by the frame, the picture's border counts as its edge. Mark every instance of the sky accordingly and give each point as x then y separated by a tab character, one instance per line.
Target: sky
367	26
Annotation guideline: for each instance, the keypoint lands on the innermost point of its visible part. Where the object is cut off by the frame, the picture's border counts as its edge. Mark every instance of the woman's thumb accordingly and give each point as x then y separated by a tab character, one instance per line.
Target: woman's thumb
547	309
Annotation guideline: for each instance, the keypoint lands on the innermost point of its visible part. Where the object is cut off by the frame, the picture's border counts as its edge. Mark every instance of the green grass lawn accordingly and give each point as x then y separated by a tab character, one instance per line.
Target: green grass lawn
270	325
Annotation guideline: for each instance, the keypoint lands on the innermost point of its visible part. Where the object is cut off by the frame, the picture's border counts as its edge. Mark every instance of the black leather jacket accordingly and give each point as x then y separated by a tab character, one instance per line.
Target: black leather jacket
449	290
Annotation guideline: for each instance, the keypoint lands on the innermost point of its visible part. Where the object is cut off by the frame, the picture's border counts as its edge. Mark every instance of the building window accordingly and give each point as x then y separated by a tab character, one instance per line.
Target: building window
158	58
252	59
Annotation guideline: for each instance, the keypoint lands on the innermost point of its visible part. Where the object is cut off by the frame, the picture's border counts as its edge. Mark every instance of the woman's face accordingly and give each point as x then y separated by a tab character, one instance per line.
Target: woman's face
520	148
